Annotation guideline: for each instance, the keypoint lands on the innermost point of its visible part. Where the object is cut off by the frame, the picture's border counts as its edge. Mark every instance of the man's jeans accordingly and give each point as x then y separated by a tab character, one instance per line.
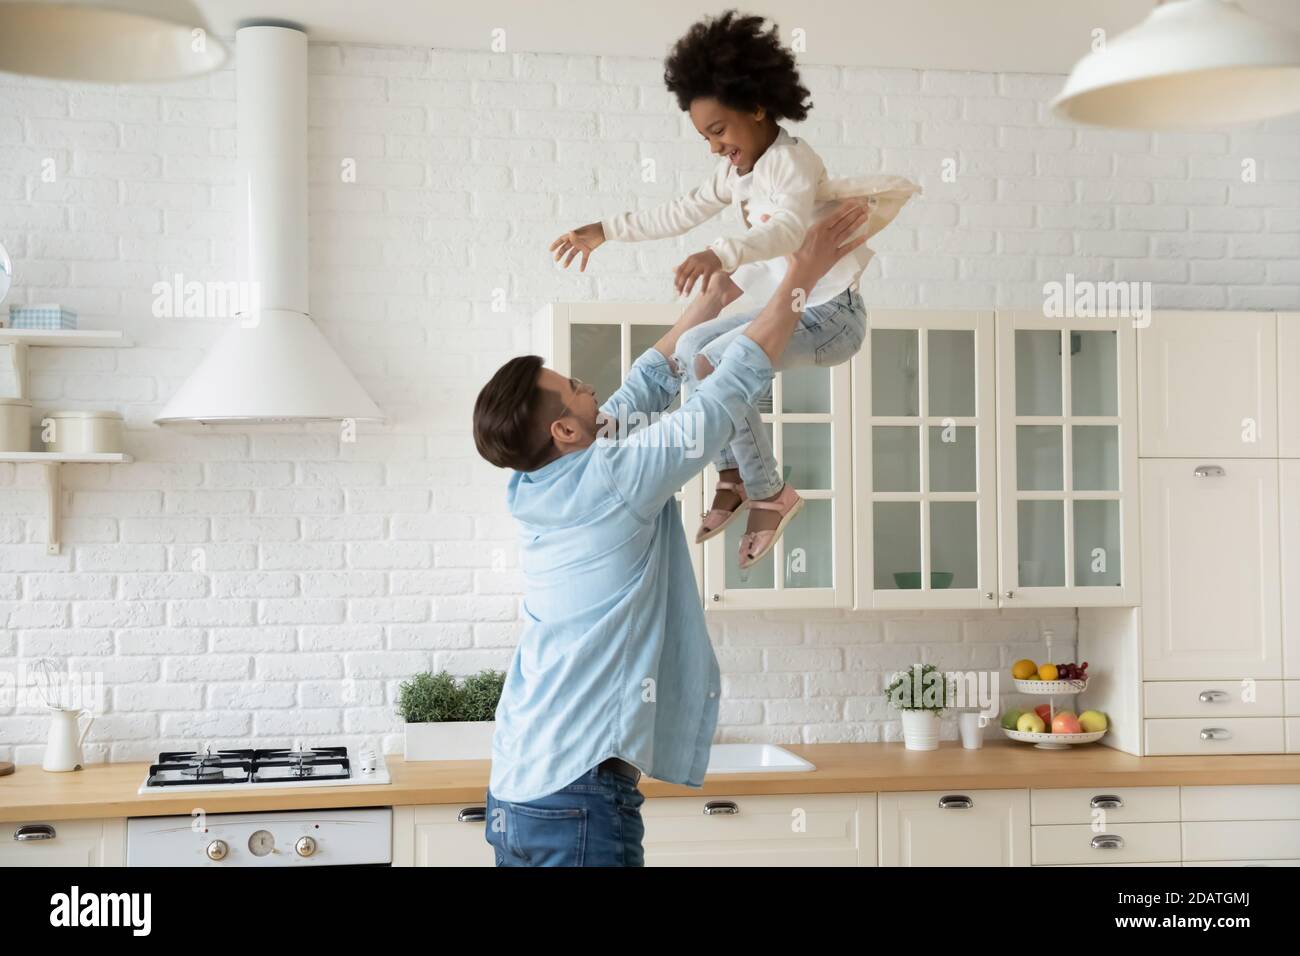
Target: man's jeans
594	821
827	334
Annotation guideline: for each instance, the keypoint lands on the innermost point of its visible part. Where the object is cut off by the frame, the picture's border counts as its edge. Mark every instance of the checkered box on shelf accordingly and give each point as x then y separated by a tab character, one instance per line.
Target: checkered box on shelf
43	317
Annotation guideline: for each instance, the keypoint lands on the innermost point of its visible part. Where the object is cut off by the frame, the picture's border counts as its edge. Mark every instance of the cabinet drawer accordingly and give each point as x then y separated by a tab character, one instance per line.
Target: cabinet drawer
1204	698
1264	802
1237	735
441	835
793	829
1242	840
72	843
1137	805
955	828
1118	843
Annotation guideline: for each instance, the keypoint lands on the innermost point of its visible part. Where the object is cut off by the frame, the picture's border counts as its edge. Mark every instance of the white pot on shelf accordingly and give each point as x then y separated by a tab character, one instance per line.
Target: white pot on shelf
920	729
450	740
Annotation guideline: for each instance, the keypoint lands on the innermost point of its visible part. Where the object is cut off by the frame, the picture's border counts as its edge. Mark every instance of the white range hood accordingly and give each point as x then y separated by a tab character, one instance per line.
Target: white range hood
272	365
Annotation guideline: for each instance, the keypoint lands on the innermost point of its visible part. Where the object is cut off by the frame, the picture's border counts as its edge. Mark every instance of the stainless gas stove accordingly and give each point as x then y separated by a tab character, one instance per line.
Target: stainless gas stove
295	767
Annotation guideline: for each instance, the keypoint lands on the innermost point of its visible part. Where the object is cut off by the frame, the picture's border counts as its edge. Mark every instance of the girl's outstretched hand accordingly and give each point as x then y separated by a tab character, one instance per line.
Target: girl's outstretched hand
701	266
579	242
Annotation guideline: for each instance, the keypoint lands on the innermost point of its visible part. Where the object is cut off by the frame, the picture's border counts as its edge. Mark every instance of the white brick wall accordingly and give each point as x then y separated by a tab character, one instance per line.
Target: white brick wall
335	571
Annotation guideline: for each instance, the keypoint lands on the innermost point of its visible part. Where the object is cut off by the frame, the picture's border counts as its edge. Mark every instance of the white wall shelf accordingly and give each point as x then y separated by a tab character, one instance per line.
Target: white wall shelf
72	338
52	461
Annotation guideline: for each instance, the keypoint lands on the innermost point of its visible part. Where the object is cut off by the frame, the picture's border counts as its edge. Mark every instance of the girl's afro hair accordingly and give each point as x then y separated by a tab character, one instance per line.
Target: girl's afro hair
734	60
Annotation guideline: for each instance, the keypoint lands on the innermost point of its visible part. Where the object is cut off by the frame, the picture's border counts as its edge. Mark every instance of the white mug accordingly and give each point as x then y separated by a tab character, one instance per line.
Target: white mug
972	724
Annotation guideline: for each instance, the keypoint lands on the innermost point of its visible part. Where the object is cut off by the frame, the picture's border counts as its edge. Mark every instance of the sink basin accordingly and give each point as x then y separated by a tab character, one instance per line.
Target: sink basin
755	758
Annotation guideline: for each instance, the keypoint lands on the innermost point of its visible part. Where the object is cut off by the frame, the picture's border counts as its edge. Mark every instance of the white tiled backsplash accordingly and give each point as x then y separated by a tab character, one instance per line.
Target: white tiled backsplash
333	571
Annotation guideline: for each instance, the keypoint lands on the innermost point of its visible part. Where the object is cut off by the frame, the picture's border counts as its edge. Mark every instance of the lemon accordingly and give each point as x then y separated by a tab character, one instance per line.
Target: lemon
1048	672
1024	669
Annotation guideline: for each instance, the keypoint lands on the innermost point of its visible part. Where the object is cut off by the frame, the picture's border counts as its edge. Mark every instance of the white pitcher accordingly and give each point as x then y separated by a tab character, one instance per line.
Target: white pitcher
63	752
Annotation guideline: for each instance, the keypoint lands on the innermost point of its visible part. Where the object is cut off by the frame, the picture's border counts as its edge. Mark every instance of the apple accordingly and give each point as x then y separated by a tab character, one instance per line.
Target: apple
1092	721
1010	718
1030	724
1044	712
1065	723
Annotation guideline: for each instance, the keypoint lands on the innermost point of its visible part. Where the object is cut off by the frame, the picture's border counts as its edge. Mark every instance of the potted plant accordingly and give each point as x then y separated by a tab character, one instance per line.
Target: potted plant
920	695
448	719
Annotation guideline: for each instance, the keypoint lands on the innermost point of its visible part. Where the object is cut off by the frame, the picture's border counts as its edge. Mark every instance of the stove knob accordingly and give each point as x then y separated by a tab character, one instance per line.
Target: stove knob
305	846
217	850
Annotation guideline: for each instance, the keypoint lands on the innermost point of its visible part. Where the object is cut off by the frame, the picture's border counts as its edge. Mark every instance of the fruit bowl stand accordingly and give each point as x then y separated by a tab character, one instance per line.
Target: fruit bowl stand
1051	689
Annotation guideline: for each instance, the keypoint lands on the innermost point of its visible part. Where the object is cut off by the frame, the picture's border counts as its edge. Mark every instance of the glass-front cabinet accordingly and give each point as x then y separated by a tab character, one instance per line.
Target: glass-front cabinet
598	343
808	418
1067	453
925	461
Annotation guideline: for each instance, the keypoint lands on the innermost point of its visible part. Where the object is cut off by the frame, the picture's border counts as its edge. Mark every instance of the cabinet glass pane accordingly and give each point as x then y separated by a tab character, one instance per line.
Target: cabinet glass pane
951	372
1096	457
1040	529
806	390
1038	372
896	544
1094	373
596	357
1040	462
954	544
644	337
952	458
806	453
1096	543
894	372
896	458
760	575
809	547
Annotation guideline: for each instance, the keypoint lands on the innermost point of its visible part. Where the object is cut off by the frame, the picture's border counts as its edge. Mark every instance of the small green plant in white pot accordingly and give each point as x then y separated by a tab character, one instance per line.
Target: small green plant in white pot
920	695
448	719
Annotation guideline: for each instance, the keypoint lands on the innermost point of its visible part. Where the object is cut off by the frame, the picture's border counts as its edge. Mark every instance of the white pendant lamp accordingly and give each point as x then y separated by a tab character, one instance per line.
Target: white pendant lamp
107	41
1192	64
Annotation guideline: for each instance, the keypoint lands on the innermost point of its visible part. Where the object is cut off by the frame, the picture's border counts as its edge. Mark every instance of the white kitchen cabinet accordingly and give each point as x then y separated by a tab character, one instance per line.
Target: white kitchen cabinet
1067	461
1104	806
925	461
63	843
1209	384
1288	384
1168	736
955	828
784	830
809	420
1289	506
1210	554
597	343
1210	699
1081	844
443	835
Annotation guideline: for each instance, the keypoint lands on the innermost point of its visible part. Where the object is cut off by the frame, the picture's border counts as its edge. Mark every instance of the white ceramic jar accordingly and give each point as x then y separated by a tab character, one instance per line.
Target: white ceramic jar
84	432
15	424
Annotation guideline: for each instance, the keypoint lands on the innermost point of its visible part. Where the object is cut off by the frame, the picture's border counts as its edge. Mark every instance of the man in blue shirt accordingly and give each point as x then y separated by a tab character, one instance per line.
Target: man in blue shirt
614	673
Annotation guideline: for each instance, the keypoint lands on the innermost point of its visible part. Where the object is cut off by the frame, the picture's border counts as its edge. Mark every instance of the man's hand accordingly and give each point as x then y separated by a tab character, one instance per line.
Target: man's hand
827	242
703	265
581	241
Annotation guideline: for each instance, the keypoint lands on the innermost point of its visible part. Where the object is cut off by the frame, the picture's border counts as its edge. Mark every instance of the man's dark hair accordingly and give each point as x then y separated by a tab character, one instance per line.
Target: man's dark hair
734	60
509	426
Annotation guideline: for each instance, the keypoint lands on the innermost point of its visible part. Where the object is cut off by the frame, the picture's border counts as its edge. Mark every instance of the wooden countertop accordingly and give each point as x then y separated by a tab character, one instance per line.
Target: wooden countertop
109	790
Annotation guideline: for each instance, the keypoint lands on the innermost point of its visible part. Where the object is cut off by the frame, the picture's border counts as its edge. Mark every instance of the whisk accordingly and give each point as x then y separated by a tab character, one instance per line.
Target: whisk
49	681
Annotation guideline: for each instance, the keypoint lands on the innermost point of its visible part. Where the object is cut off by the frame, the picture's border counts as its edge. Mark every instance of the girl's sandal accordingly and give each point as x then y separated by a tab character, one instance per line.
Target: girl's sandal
754	545
715	521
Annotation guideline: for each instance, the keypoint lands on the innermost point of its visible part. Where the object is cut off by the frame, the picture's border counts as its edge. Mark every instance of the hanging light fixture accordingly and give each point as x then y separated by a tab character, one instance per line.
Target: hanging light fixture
107	41
1191	64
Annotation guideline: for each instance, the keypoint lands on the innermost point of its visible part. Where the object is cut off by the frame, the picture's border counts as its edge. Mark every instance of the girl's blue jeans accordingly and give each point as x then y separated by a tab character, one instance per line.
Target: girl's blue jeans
827	334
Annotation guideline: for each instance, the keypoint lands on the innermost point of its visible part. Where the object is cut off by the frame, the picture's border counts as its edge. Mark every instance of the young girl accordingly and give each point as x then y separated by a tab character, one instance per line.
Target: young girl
737	82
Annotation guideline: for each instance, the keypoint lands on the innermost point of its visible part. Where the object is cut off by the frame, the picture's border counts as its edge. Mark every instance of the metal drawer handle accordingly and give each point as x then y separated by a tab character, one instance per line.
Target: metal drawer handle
30	832
1212	696
718	807
956	802
472	815
1105	801
1108	841
1208	471
1216	733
